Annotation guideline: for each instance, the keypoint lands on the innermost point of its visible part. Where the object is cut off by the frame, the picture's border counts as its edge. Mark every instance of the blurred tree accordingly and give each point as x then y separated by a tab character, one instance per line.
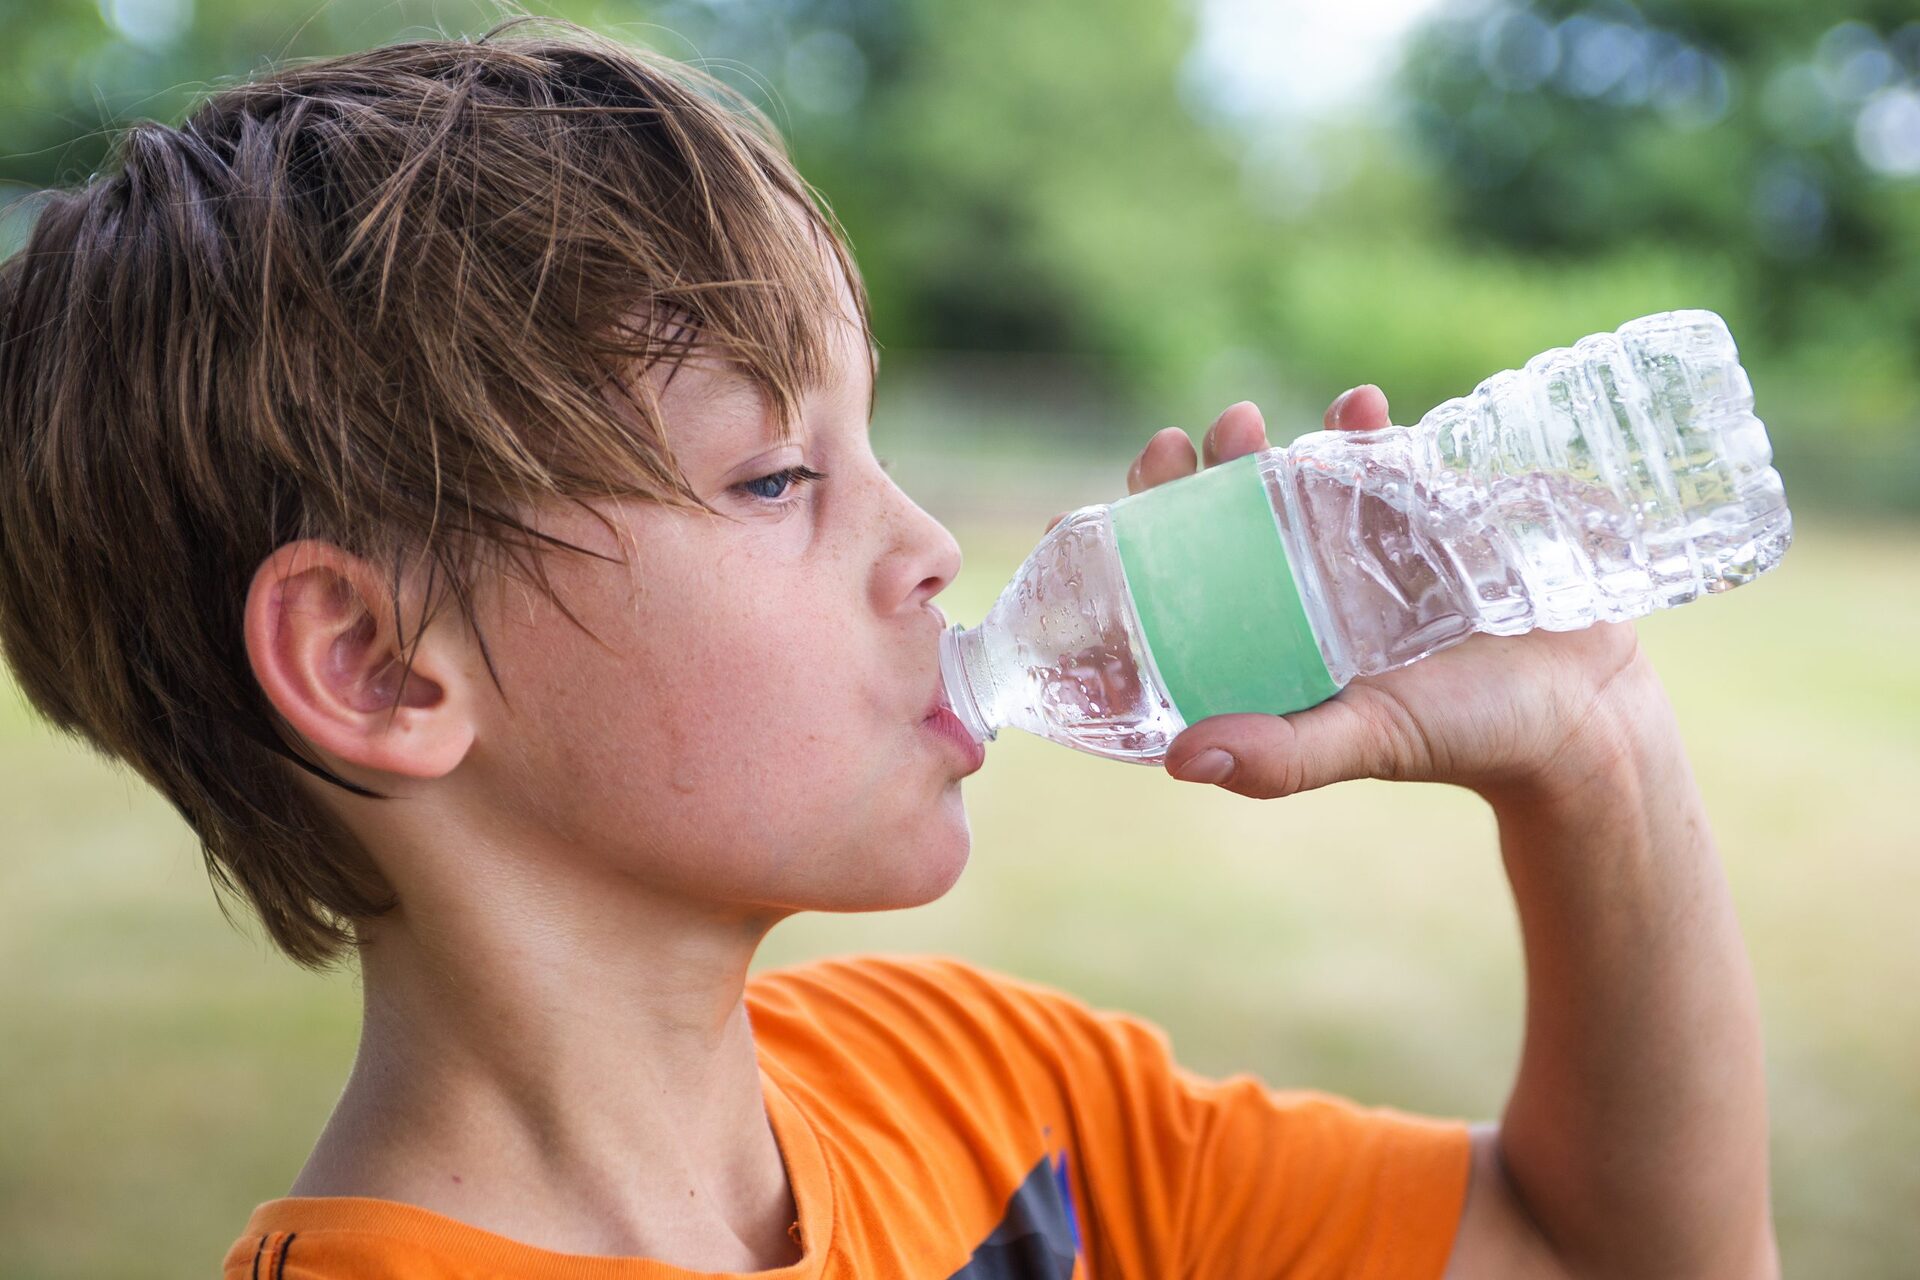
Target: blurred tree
72	69
1784	131
1016	177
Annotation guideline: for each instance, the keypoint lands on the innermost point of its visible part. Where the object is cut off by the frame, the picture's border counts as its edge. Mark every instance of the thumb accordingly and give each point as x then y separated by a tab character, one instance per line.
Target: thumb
1263	756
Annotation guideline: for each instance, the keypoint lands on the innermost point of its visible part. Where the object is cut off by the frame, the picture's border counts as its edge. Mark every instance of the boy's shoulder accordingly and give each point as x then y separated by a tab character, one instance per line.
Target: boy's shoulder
932	1019
901	976
967	1068
884	994
896	994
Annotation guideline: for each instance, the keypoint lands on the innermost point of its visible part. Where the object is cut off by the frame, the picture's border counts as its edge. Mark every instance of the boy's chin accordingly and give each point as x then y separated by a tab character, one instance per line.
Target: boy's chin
910	874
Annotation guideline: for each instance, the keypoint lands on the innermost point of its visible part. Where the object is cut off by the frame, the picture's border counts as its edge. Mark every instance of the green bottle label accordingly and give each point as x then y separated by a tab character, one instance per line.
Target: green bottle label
1216	595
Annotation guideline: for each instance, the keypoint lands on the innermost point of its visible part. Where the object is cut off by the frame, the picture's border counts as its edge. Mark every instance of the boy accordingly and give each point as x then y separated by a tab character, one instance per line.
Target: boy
538	326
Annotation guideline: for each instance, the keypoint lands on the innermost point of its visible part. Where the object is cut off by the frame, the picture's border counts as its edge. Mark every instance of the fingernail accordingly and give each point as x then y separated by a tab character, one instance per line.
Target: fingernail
1211	765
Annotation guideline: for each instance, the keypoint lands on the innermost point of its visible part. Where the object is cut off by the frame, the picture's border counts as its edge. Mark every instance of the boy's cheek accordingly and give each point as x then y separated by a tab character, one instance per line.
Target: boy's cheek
829	817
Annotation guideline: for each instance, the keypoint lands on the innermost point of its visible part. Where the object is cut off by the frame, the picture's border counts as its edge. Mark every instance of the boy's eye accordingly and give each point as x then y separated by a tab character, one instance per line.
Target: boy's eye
773	487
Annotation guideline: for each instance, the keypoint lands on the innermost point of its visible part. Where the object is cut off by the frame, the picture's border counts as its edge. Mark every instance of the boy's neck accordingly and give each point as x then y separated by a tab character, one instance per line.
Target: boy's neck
588	1089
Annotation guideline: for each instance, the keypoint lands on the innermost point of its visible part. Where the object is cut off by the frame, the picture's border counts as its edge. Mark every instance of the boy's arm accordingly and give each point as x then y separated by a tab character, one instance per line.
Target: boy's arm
1634	1141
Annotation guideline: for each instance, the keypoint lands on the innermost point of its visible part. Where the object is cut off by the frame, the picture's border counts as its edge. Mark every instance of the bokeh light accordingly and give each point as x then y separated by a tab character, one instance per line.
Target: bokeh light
149	22
1888	132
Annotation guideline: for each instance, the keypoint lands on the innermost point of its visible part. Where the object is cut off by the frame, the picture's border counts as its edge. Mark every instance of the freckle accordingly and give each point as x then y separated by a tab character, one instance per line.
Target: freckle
456	1177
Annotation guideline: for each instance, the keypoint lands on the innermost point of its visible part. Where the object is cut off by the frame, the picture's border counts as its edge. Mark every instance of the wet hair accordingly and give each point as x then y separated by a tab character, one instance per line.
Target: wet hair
393	300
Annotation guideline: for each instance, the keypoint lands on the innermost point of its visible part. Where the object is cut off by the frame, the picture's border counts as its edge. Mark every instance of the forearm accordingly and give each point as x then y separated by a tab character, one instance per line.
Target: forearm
1636	1133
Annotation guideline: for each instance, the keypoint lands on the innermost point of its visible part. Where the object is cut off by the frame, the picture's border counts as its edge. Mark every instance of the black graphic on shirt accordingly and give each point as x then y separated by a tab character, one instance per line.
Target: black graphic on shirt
1038	1236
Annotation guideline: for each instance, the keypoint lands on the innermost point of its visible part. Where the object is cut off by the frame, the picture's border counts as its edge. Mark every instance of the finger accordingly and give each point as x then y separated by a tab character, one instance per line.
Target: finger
1363	408
1168	456
1269	756
1239	430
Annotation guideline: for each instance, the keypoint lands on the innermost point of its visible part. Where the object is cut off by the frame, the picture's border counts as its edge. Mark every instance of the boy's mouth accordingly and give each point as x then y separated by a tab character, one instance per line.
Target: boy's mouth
941	720
945	725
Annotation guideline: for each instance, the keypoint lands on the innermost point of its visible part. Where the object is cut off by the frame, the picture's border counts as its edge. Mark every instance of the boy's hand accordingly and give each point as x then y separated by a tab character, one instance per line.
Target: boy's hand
1492	713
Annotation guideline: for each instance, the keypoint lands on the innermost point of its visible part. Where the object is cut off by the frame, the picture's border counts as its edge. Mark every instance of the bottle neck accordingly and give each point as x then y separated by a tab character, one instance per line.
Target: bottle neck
963	669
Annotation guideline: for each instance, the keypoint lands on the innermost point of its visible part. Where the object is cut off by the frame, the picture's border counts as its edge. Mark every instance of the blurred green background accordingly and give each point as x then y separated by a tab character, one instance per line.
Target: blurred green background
1082	222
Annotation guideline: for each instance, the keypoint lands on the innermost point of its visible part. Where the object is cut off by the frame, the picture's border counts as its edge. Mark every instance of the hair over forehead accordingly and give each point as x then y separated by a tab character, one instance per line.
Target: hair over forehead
534	214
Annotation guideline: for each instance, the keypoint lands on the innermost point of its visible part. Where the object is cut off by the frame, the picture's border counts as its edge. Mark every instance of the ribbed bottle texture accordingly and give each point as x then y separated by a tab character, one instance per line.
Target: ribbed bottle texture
1600	482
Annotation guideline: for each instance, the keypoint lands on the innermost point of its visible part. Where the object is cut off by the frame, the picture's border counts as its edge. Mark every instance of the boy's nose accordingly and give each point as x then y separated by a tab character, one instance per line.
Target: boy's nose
928	557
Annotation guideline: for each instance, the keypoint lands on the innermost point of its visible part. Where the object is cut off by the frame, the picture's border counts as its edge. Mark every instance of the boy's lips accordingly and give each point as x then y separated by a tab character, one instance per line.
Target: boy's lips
942	721
945	725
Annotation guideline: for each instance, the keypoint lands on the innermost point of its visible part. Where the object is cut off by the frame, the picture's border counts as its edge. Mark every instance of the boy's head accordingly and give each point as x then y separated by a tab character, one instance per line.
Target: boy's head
537	326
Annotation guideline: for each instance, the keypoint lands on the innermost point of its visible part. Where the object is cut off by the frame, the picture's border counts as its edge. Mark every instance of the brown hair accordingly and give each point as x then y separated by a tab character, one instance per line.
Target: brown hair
388	300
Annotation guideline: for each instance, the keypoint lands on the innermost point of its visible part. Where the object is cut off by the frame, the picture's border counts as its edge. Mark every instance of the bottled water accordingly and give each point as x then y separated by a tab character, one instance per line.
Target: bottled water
1624	474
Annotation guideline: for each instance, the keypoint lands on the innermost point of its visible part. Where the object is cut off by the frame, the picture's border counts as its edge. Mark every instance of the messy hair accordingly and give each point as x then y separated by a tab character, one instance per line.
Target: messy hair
392	300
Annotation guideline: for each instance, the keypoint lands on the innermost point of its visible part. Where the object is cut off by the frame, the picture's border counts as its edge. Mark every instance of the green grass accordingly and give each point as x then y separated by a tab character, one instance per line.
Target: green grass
162	1073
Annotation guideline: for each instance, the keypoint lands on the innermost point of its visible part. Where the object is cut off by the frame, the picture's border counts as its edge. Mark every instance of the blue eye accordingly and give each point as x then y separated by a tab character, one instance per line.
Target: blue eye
783	482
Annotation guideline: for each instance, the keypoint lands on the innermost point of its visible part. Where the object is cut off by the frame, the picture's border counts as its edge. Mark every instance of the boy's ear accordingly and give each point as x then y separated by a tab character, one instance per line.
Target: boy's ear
324	644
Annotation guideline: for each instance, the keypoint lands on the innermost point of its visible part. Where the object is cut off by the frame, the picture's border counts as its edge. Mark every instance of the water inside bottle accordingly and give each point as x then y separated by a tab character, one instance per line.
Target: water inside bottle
1068	641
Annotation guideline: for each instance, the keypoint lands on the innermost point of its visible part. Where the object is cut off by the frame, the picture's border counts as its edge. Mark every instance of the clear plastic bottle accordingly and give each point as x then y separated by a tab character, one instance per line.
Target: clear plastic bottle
1624	474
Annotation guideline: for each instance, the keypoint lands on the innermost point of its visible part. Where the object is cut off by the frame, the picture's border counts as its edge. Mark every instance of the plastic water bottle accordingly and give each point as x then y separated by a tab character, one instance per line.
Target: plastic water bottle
1624	474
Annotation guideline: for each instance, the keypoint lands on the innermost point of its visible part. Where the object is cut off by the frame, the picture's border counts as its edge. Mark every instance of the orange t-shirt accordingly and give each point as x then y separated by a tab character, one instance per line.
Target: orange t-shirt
939	1121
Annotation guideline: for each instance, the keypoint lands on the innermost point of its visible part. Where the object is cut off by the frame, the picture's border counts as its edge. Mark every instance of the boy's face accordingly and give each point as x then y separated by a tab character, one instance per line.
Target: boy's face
752	734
